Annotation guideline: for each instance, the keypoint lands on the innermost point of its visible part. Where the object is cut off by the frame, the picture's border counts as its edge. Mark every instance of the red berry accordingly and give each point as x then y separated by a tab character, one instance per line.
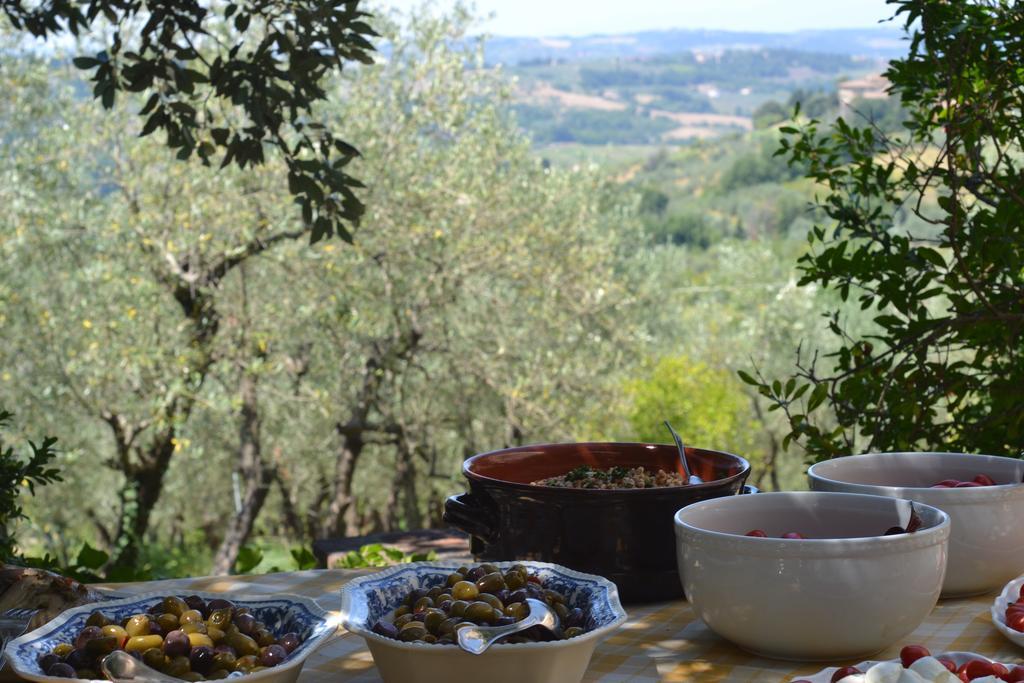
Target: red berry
966	485
948	482
894	531
793	534
941	486
984	480
757	533
912	653
1015	620
999	670
1015	675
978	668
1021	595
840	674
948	663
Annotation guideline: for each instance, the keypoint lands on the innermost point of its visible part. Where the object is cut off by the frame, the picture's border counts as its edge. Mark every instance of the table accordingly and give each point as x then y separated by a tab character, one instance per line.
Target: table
660	642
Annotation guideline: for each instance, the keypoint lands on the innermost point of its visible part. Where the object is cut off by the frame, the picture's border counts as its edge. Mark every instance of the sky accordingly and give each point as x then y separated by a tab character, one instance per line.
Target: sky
582	17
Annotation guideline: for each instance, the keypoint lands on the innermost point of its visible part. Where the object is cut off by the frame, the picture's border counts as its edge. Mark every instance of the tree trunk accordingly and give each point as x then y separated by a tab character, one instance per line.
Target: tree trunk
255	474
341	512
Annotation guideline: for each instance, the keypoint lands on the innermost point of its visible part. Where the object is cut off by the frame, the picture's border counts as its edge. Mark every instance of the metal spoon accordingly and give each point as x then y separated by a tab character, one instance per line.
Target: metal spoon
121	666
476	639
690	478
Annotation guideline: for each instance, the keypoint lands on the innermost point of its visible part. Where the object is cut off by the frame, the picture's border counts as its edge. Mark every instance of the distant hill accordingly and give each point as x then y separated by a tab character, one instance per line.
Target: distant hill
874	43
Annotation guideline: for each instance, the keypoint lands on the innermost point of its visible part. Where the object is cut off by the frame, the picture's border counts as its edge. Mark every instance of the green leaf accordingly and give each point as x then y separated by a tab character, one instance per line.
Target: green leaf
304	558
747	378
91	558
248	557
86	62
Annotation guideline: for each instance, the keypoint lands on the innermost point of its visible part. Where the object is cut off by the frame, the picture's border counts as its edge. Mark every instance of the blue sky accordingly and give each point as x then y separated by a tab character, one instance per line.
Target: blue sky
580	17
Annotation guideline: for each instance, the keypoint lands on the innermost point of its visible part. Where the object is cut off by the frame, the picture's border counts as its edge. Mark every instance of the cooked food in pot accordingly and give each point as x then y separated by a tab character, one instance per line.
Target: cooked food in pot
481	596
586	477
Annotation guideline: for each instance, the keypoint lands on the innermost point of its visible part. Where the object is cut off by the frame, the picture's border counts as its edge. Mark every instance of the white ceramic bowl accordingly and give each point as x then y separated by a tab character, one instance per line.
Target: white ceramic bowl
1009	596
986	547
281	614
366	599
844	592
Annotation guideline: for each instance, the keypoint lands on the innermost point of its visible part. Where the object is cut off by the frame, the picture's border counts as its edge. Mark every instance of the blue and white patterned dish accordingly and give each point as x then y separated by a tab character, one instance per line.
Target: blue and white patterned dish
281	614
366	599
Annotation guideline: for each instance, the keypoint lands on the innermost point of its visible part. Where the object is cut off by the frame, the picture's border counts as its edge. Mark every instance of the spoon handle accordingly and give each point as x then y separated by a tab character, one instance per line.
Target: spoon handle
682	449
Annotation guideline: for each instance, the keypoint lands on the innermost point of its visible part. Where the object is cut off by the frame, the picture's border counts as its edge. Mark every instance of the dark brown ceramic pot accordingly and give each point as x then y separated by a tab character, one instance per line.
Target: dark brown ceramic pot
625	535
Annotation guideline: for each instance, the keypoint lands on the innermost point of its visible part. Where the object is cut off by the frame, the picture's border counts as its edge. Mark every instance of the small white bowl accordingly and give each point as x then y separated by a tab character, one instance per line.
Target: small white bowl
986	547
959	658
1009	596
366	599
845	592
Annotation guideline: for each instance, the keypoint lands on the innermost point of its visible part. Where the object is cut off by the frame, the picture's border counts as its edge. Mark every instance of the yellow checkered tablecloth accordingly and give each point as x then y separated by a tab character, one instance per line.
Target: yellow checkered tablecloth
660	642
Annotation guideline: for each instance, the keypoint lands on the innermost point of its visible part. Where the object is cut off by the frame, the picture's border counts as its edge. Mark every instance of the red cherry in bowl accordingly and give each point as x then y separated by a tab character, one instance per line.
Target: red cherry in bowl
757	533
912	653
793	534
983	480
842	673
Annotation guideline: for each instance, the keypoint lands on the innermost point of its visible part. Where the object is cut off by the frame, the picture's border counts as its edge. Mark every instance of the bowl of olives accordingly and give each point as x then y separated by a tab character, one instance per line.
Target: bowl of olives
410	614
193	637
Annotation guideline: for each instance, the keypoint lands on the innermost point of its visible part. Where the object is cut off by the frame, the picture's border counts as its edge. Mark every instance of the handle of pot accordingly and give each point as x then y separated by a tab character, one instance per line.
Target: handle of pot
749	488
464	511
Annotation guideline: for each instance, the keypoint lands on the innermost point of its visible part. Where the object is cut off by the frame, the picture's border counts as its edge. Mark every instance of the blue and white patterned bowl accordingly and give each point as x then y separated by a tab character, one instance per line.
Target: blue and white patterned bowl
281	614
365	600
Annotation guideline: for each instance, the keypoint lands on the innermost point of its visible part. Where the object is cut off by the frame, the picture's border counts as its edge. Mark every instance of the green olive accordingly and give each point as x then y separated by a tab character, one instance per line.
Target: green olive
553	597
573	631
561	610
458	608
220	618
403	620
247	663
491	583
462	570
191	676
454	578
489	568
216	674
491	600
155	658
430	638
263	638
216	635
174	605
514	580
168	622
443	597
414	630
191	616
143	643
433	618
517	610
434	592
448	625
479	612
465	590
137	625
88	675
403	610
422	604
177	666
224	660
243	644
97	619
101	646
196	628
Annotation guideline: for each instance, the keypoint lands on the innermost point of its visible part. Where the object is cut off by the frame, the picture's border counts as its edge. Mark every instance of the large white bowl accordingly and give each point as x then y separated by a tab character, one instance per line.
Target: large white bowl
366	599
986	547
844	592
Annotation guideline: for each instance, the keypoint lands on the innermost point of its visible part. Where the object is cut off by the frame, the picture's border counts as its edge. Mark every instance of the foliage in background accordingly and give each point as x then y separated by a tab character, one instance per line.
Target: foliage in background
18	474
706	405
232	81
377	555
944	368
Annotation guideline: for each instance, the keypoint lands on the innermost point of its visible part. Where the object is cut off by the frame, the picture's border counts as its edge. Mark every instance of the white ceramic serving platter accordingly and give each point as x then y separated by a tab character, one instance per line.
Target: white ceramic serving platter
1009	595
824	676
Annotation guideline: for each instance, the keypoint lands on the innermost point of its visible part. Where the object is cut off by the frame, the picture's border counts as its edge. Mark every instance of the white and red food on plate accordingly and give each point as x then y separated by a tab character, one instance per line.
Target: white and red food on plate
1008	611
917	665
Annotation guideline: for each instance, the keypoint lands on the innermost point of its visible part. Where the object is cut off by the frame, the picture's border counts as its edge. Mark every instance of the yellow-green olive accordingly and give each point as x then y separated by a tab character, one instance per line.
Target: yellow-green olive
143	643
137	625
465	590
